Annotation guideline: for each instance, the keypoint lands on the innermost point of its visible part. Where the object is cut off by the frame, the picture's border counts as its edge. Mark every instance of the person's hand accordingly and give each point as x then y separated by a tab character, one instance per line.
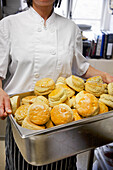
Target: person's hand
5	107
108	78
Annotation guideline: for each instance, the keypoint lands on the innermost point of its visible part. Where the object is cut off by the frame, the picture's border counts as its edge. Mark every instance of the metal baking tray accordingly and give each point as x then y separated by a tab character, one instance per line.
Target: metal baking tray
41	147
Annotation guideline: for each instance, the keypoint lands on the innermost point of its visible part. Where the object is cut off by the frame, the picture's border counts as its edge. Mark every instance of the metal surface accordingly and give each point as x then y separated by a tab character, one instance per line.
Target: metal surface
46	146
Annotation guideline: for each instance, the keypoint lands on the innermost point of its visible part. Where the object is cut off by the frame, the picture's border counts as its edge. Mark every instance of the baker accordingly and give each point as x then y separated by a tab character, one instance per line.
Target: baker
34	44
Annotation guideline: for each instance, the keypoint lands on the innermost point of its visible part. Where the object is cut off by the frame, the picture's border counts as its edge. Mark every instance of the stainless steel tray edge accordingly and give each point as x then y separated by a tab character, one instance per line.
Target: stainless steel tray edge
24	133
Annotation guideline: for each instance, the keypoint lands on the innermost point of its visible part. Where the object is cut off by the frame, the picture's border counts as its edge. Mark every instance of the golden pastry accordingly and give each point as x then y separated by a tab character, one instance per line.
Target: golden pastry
105	88
15	103
29	125
76	116
39	113
21	113
75	83
86	104
49	124
57	96
61	114
107	99
110	88
68	90
95	88
97	79
69	102
61	80
73	102
42	99
102	107
28	99
44	86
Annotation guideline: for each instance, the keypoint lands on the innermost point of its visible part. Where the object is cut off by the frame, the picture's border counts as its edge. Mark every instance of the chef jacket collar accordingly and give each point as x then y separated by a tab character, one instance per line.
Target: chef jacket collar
39	19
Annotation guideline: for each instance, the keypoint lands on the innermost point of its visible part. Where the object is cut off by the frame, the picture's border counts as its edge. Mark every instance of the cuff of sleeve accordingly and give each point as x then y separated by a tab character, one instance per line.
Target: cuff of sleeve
81	73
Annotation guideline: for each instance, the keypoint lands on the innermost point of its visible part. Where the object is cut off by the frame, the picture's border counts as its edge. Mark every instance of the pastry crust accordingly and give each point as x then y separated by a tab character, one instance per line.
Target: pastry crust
21	113
61	114
86	104
61	80
15	103
28	99
42	99
69	102
49	124
95	88
110	88
75	83
73	102
44	86
97	79
57	96
29	125
105	88
107	99
102	108
76	116
39	113
68	90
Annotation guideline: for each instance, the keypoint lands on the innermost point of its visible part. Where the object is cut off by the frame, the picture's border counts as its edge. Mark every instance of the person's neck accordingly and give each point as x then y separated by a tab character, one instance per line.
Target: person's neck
44	12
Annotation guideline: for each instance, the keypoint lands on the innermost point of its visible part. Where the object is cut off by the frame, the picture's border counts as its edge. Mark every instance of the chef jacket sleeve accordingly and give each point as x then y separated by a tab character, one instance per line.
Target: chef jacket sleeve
4	48
80	63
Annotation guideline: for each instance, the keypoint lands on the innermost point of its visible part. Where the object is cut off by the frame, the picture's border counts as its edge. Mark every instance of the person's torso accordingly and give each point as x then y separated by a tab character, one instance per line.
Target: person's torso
38	51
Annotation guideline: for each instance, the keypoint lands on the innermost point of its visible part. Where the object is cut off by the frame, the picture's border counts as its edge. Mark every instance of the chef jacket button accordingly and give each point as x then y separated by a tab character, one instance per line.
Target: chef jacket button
39	29
53	52
36	75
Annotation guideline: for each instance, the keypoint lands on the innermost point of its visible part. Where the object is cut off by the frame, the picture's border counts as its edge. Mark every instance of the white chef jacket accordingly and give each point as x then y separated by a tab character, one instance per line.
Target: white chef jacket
30	51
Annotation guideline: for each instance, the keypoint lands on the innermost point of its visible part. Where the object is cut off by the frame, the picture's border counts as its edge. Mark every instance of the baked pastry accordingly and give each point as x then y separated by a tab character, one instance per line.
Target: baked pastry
76	116
28	99
15	103
61	80
68	90
73	102
49	124
105	88
29	125
69	102
39	113
110	88
44	86
75	83
102	108
21	113
61	114
86	104
97	79
107	99
42	99
57	96
95	88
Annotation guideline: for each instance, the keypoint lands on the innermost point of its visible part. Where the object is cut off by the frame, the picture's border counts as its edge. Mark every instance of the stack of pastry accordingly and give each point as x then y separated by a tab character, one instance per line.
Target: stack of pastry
69	99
